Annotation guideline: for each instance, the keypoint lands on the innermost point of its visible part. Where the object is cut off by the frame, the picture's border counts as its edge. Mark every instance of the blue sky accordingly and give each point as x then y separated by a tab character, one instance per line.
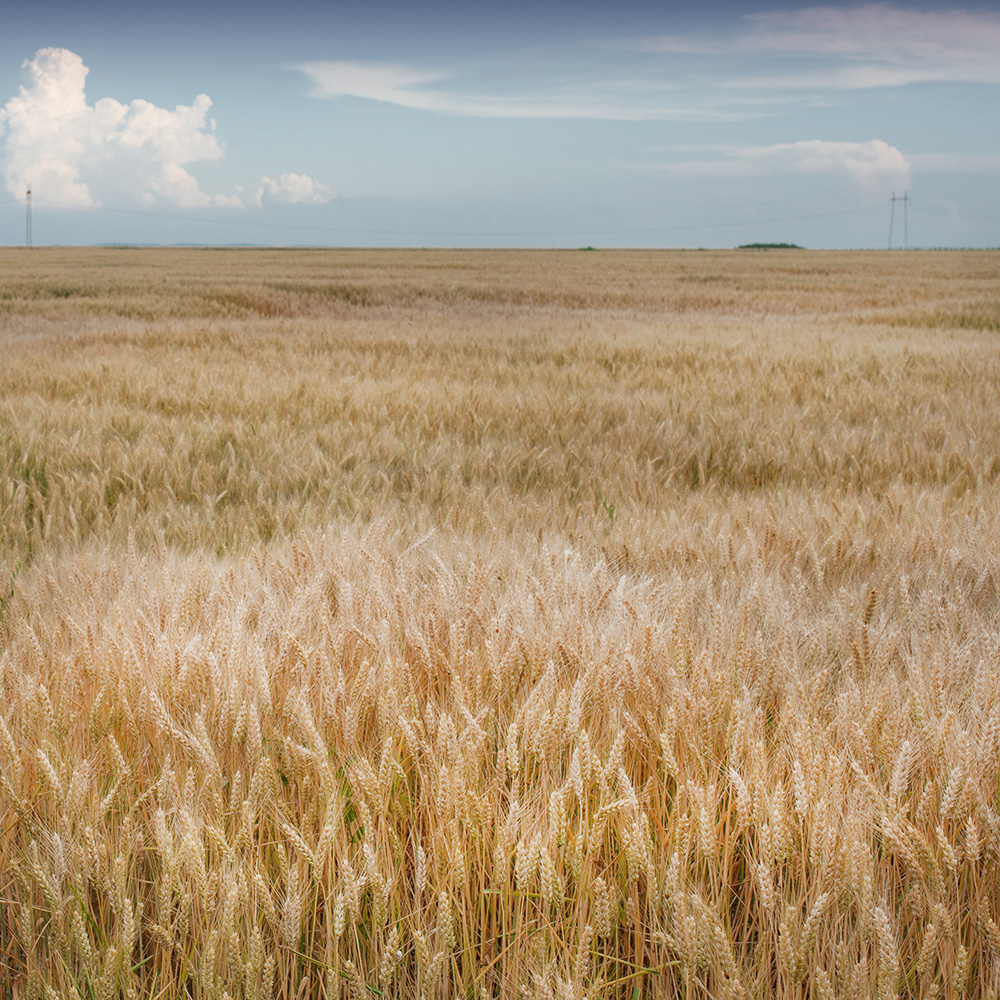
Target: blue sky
426	123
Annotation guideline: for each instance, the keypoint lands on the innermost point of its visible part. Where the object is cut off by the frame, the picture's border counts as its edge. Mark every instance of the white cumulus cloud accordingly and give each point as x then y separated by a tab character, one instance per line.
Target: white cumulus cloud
79	154
292	189
71	152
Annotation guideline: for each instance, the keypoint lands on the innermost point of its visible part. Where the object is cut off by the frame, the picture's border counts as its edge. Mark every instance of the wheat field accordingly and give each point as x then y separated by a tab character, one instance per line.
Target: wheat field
499	624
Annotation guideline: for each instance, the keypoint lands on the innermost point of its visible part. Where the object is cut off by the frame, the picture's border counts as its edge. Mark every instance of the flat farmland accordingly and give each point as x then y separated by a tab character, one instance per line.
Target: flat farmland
499	623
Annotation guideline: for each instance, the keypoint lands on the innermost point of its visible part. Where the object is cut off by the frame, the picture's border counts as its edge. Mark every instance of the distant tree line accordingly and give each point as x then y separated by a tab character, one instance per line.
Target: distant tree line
770	246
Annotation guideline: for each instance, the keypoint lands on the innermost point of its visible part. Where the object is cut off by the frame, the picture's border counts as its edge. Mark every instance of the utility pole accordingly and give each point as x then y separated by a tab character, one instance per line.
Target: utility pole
27	218
905	199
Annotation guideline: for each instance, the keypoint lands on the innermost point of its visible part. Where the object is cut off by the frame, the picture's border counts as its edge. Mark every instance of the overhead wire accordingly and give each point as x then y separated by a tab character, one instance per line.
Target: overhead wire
469	234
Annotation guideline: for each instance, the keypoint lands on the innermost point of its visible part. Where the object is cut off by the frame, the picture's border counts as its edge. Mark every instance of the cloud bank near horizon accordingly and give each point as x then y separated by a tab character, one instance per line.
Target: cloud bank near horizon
76	155
869	164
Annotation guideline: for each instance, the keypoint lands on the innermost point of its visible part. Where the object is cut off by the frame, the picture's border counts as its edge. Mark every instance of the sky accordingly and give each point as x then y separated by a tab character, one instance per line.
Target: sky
440	123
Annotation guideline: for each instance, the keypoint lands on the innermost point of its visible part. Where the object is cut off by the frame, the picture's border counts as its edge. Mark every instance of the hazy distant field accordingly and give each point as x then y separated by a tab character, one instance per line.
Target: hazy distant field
489	624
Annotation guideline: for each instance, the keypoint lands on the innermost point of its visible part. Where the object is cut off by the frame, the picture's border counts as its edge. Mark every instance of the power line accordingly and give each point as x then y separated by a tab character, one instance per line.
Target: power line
359	230
12	231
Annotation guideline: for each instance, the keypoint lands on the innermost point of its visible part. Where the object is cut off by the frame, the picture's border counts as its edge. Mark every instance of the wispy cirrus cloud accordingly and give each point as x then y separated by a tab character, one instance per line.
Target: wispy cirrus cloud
611	97
877	45
738	71
390	82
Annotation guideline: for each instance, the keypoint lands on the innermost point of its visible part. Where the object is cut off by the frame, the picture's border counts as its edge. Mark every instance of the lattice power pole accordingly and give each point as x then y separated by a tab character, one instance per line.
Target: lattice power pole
905	199
27	218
